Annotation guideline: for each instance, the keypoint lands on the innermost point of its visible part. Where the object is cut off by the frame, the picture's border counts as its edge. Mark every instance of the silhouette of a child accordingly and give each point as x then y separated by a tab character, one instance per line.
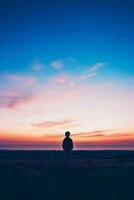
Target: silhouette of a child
67	146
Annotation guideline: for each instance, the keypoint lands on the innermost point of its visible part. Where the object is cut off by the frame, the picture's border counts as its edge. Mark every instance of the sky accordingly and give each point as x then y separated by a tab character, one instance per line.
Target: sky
67	65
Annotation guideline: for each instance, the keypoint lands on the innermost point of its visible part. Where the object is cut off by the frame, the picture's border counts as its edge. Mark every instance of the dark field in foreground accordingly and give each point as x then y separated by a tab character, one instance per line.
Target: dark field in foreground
95	175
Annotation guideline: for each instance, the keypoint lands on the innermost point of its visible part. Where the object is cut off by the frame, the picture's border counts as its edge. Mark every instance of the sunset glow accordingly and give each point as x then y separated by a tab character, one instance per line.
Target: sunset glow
52	81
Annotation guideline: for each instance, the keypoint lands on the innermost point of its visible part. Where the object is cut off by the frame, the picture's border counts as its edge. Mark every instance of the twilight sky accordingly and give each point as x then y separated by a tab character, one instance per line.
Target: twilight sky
67	65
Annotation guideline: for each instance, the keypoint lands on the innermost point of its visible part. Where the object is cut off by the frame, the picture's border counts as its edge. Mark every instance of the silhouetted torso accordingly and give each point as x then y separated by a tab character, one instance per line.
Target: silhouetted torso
67	144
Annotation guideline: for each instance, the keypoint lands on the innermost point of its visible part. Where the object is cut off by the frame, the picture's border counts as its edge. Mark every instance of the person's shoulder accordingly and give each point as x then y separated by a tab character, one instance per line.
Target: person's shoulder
70	139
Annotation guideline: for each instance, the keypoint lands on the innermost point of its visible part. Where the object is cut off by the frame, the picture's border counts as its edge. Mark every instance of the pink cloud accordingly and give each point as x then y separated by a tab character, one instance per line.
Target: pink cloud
14	98
105	133
51	124
23	79
62	79
19	89
92	133
19	101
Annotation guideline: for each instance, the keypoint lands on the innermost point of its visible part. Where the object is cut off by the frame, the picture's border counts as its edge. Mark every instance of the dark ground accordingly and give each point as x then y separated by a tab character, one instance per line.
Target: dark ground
95	175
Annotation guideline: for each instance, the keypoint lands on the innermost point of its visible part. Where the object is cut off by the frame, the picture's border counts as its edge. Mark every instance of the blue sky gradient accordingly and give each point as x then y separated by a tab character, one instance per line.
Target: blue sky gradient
67	63
89	31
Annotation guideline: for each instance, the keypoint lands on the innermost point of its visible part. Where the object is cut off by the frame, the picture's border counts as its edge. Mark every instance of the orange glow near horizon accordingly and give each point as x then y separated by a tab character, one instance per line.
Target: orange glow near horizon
35	112
91	139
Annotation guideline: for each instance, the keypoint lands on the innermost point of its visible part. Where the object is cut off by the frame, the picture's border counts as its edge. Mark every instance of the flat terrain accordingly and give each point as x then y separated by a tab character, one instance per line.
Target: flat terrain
95	175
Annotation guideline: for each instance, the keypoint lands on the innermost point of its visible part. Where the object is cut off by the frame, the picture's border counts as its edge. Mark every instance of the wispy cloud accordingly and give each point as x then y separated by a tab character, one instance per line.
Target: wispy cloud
61	79
51	124
87	75
23	79
105	133
20	100
57	64
92	71
72	59
97	66
19	90
92	133
14	98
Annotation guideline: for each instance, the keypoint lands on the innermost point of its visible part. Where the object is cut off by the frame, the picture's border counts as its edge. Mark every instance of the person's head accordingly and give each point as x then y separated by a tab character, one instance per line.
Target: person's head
67	133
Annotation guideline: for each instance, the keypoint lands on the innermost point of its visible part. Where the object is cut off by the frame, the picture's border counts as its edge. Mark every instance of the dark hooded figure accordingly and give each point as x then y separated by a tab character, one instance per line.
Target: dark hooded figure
67	146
